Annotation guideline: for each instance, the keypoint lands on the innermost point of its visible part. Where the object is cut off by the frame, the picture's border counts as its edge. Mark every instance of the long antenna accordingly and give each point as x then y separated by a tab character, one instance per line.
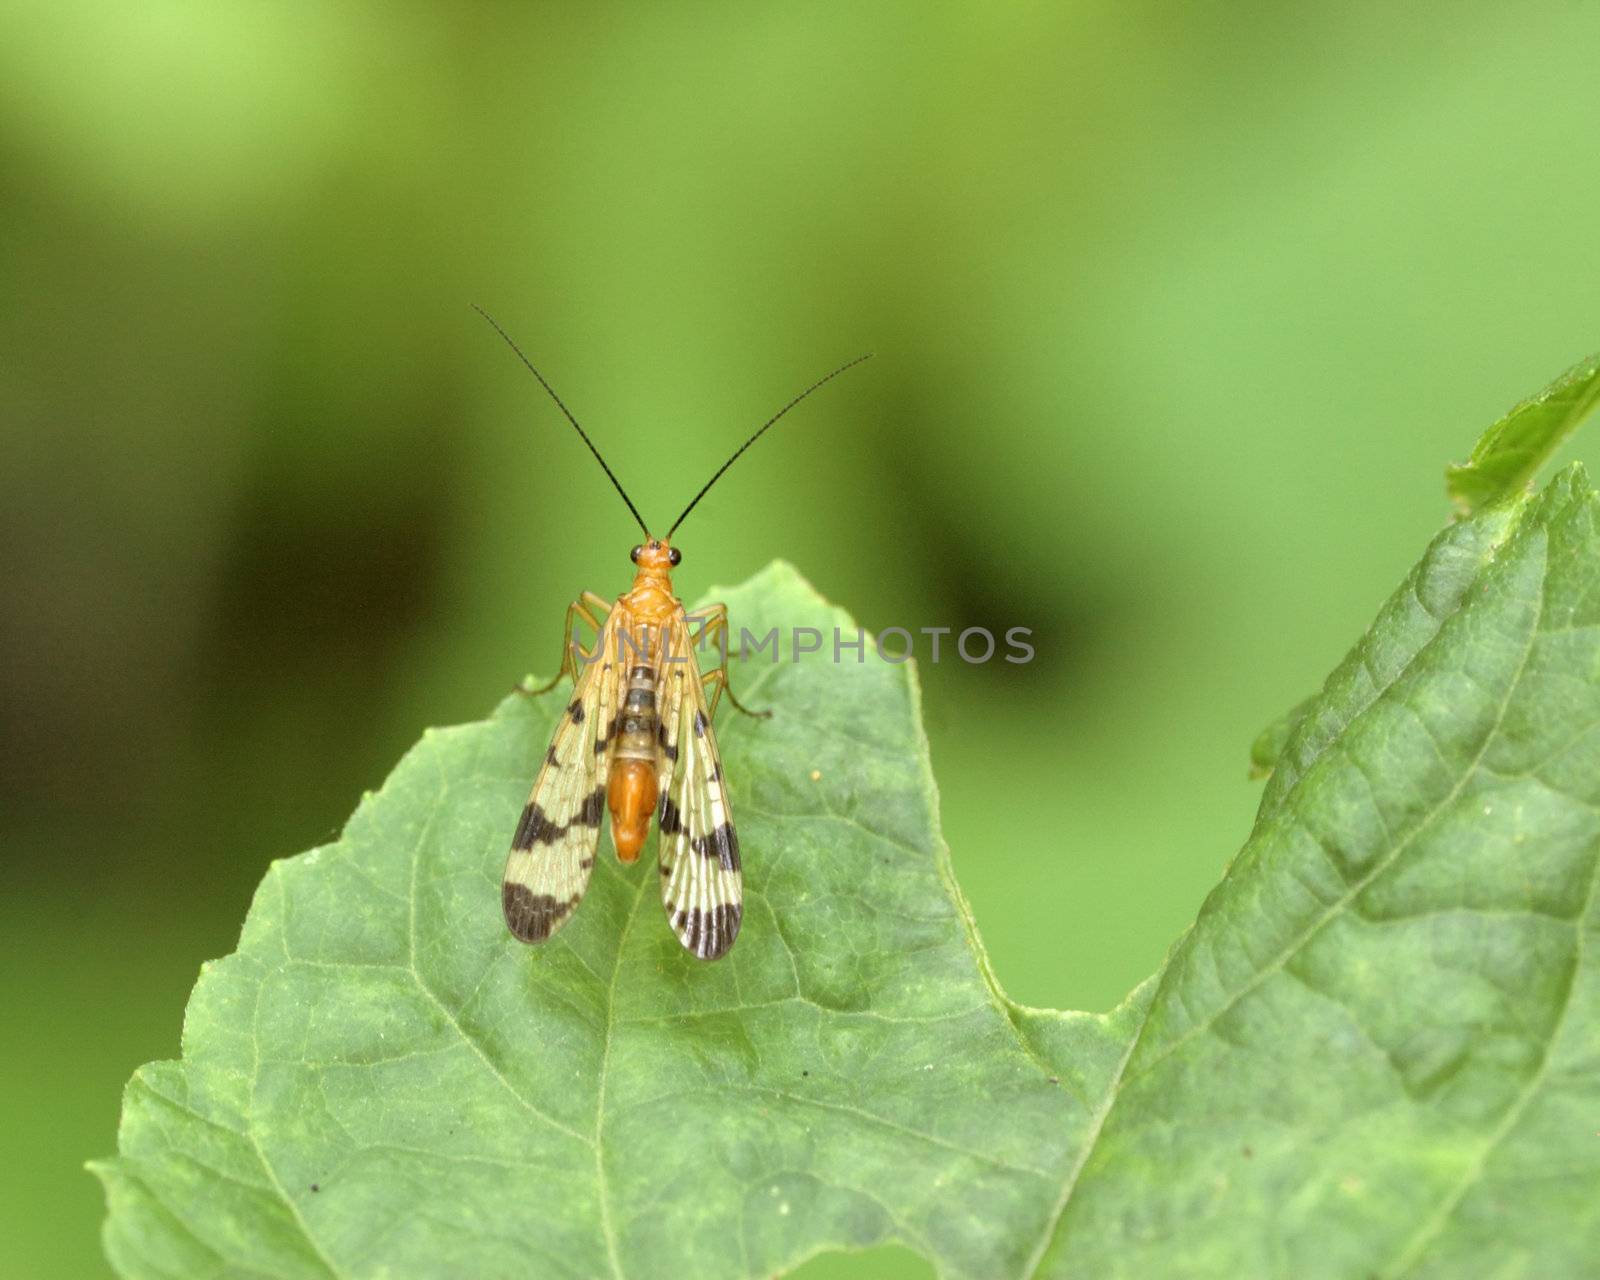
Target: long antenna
496	326
849	364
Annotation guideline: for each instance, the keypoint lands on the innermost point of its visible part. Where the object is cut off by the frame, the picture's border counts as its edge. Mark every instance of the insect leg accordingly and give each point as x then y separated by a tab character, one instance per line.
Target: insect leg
579	608
716	624
720	678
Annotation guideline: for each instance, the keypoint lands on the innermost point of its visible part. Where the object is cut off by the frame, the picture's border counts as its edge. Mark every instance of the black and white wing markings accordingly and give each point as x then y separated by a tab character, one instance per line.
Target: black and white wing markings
702	886
552	853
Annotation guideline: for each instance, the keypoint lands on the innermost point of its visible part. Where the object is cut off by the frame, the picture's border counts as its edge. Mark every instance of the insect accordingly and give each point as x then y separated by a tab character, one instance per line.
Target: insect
636	740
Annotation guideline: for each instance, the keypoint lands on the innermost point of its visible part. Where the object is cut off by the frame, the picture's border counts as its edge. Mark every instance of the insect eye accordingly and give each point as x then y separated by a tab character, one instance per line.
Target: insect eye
674	555
634	554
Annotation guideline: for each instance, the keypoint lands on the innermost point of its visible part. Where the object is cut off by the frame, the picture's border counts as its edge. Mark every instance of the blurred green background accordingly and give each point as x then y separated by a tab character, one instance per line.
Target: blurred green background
1179	311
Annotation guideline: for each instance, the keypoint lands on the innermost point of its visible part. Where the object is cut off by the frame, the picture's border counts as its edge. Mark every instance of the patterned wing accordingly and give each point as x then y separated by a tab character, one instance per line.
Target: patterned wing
553	850
702	886
675	670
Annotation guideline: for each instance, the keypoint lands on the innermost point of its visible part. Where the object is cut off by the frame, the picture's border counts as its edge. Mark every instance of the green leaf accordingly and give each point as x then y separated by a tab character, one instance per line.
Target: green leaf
1376	1052
382	1077
1510	452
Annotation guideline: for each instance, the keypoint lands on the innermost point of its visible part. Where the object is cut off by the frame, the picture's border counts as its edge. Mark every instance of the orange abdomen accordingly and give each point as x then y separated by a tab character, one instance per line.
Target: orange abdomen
631	797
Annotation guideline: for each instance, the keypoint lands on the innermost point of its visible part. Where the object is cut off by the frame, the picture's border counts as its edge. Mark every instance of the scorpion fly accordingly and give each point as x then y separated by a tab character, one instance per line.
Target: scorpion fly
636	740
